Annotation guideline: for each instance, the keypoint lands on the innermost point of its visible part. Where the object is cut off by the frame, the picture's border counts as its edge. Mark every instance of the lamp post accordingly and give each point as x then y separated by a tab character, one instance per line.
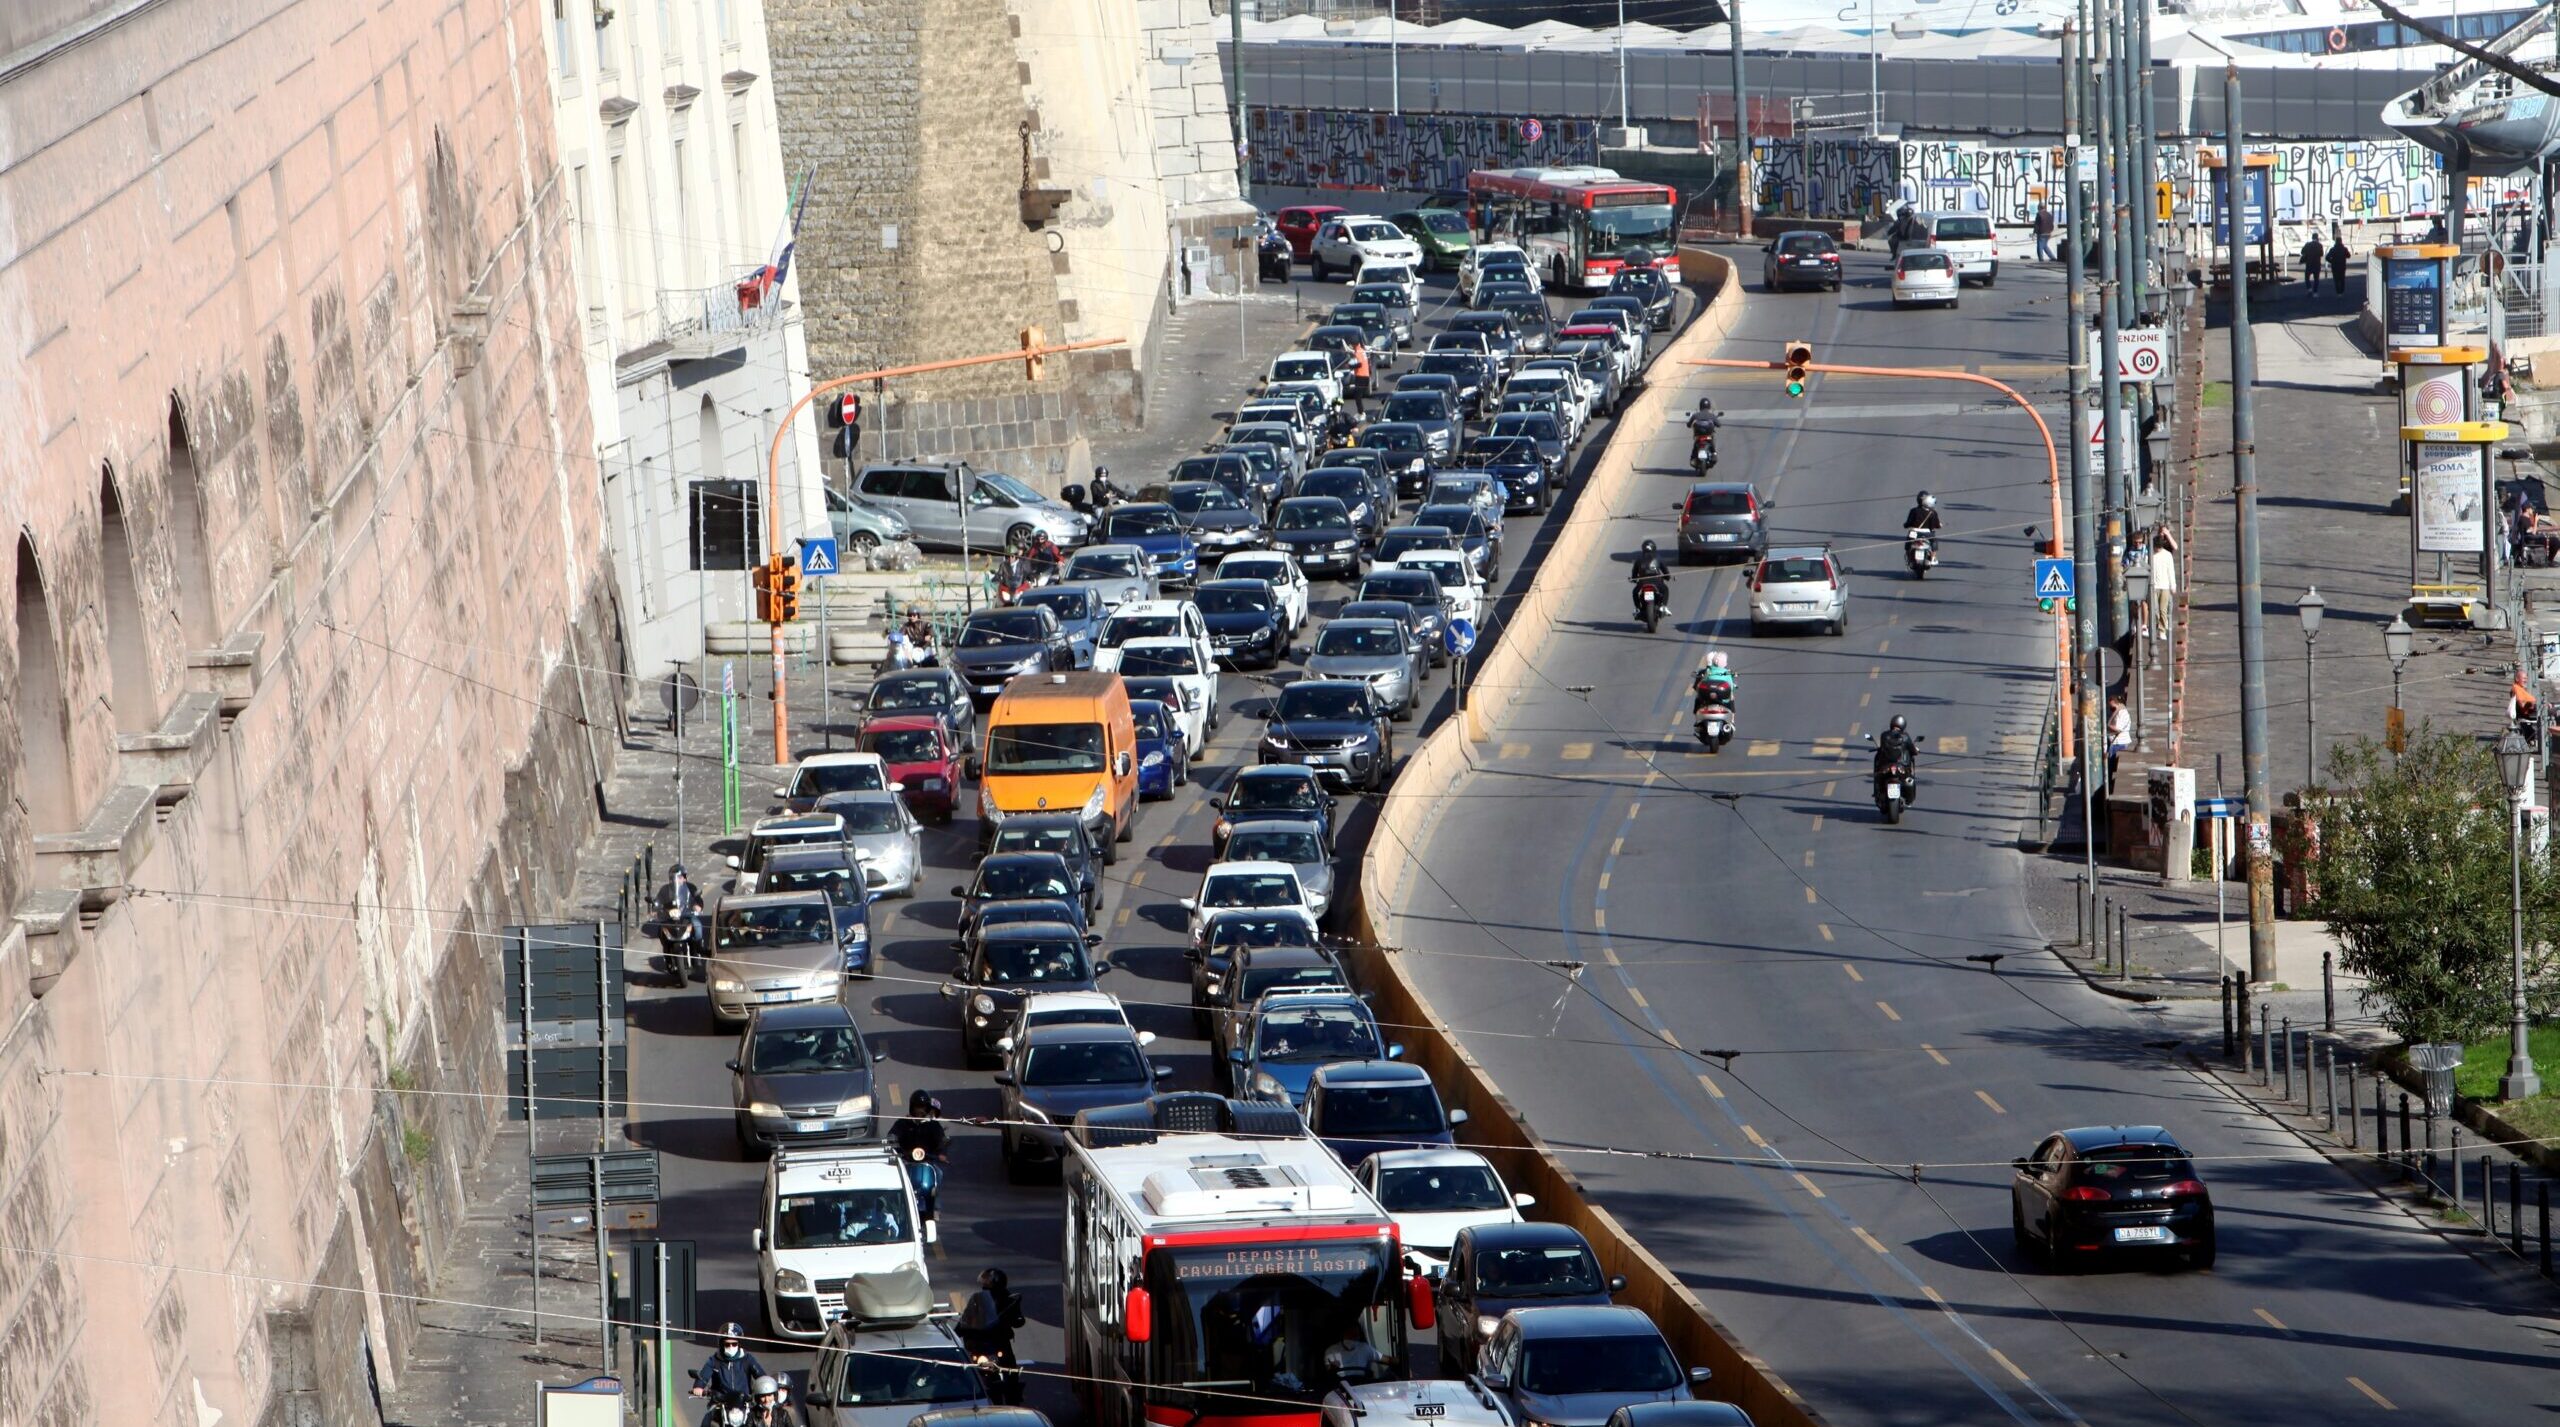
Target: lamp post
2397	637
2515	765
2310	607
2137	589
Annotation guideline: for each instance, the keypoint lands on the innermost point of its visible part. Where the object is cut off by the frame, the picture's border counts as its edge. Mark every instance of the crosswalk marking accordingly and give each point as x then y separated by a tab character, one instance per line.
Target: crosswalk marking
1762	748
1953	743
1830	747
1513	750
1576	752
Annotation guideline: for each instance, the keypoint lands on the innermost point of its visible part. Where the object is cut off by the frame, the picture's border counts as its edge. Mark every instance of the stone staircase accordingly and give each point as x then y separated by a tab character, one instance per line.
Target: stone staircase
860	607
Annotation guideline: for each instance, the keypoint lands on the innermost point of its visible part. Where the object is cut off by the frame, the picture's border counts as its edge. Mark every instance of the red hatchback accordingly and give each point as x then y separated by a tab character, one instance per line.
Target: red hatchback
922	759
1299	225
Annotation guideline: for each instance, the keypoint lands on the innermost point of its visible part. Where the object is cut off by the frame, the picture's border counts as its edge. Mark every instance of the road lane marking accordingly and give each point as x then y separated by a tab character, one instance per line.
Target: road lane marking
1636	996
1864	698
1808	857
2360	1385
1870	1240
1852	968
1827	787
1600	917
1808	896
1609	954
1830	747
2271	1320
1138	878
1875	671
1890	1013
1513	750
1824	928
1817	823
1604	881
1576	752
1885	646
1754	1136
1712	1088
1633	809
2002	1359
1996	1107
1616	845
1954	743
1856	728
1934	1055
1165	841
1809	1186
1123	919
1933	1295
1638	754
1761	748
1892	620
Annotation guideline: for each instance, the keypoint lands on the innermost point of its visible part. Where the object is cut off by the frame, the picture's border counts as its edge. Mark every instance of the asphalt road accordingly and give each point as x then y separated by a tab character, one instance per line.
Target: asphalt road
681	1091
1754	901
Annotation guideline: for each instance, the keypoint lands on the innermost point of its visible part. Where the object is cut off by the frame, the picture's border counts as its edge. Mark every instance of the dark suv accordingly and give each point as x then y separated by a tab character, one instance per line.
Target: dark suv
1800	259
1335	727
994	645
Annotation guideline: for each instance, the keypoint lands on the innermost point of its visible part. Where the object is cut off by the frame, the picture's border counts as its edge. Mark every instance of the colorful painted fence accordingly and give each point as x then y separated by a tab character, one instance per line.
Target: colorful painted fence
1420	153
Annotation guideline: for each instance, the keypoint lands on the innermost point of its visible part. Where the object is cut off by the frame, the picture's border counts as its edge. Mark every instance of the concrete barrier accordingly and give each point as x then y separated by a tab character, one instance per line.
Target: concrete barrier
1612	492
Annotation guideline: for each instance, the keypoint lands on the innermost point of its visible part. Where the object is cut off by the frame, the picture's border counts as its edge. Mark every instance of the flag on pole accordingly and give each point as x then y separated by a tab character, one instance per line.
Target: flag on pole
765	280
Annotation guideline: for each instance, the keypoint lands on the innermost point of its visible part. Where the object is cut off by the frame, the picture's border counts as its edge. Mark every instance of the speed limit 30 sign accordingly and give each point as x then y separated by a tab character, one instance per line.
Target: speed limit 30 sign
2141	353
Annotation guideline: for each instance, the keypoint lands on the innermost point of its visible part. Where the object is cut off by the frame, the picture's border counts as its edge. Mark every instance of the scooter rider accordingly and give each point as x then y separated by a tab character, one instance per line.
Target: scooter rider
1648	566
1923	515
770	1409
730	1374
680	903
1714	684
1702	422
1105	494
921	1140
1895	747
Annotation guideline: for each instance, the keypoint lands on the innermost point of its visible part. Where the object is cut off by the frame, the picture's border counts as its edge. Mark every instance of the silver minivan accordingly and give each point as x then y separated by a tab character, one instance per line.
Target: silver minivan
1001	508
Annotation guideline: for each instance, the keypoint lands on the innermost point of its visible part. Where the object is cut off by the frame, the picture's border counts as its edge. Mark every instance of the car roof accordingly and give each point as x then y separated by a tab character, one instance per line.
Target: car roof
1696	1412
922	1333
1044	1001
1531	1234
838	760
1029	931
2089	1137
1239	583
1278	772
1150	608
1253	867
1355	623
1017	859
755	900
902	723
1435	1158
1732	487
1391	611
1584	1320
1083	1033
1798	552
783	858
1346	1073
789	823
1302	354
980	1417
1114	548
802	1017
1284	955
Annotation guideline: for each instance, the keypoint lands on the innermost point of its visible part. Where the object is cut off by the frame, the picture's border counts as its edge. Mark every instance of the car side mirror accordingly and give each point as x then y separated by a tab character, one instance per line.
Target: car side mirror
2021	1166
879	1053
1004	1043
1396	1052
897	787
1236	1055
1494	1381
1190	904
960	891
756	1237
1164	1072
1457	1117
733	1065
734	863
950	992
1002	1077
1523	1201
1093	938
1617	1283
1698	1376
782	792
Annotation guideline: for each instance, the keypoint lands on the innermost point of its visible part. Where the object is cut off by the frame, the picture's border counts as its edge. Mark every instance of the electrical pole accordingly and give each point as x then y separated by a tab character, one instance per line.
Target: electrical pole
2084	506
2244	499
2110	592
2137	189
1741	131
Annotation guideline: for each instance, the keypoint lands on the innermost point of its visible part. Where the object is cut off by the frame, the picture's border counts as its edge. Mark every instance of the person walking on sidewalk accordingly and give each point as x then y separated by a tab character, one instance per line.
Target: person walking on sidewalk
2164	582
2119	733
2311	252
2044	232
2338	259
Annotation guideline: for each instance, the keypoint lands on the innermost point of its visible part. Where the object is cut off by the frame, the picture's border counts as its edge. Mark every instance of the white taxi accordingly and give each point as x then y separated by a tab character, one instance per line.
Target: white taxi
838	1238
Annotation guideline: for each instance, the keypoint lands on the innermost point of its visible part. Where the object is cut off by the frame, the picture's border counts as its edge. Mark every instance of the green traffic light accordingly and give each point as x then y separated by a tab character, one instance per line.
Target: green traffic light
1795	388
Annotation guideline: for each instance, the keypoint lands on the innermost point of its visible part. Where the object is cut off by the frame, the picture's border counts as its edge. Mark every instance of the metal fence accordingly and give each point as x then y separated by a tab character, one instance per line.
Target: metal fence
736	307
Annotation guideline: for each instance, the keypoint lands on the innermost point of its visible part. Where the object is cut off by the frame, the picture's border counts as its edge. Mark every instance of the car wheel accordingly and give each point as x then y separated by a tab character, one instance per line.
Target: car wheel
1019	534
1840	626
862	542
1835	284
1404	712
2026	1246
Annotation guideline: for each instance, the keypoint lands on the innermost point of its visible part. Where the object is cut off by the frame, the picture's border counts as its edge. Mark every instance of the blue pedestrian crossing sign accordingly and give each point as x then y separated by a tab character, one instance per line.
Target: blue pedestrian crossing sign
817	555
2054	584
1460	636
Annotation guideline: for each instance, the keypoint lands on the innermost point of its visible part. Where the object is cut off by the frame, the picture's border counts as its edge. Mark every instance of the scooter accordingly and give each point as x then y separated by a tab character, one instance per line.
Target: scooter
1896	786
1715	724
926	1177
1920	551
1650	593
680	941
1702	452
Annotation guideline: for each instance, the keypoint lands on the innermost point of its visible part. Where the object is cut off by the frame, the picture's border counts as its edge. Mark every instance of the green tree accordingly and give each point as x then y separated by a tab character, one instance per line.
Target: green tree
2411	874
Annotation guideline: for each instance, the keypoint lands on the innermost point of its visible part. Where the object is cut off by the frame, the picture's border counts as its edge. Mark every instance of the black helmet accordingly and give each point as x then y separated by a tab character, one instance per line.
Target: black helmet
1704	404
1896	725
676	871
920	1103
1648	547
733	1332
993	1280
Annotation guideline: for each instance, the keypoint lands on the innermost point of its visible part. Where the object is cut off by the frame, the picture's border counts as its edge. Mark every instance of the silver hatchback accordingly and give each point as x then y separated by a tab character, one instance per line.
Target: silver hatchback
1799	584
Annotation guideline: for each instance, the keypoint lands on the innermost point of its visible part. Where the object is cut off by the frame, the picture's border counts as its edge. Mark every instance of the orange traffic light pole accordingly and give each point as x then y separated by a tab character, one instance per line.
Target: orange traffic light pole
2053	480
1029	354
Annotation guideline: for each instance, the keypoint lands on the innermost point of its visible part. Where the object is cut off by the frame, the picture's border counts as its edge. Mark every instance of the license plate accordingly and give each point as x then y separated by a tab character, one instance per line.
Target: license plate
991	688
1311	759
2152	1234
1714	536
772	997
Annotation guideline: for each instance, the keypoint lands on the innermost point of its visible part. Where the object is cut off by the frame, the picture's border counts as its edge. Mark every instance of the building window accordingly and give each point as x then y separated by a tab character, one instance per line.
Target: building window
738	184
728	21
633	278
564	40
727	525
670	39
44	716
684	253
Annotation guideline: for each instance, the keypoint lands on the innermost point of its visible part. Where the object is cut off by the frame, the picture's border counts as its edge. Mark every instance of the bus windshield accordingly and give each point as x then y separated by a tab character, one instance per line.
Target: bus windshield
1255	1319
1639	225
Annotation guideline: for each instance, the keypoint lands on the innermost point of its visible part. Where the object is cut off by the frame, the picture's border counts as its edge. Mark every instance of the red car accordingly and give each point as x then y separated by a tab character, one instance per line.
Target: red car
1299	226
923	760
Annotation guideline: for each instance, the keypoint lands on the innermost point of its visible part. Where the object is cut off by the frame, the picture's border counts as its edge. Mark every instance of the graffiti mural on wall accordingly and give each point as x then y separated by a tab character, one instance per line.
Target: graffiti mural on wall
1824	178
1344	148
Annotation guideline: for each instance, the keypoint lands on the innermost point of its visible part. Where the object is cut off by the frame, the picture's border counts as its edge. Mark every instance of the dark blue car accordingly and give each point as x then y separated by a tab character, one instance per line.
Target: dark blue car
1158	529
1245	623
1290	1035
1164	755
1515	463
1360	1109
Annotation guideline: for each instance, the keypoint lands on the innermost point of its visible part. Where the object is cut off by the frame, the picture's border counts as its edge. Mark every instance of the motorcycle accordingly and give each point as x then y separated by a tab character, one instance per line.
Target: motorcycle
1920	551
926	1178
1702	452
1896	786
680	941
1651	592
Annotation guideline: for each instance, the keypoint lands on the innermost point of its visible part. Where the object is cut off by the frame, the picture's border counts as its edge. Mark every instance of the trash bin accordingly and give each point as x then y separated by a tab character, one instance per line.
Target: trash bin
2435	1062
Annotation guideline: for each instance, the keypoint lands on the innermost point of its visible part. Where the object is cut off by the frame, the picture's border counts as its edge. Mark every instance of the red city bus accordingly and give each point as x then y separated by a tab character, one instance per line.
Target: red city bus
1207	1273
1580	226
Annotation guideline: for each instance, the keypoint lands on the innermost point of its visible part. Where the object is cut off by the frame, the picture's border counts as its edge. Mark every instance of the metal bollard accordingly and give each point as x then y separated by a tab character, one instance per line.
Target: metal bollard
2381	1124
2408	1156
2124	943
2288	1061
2226	1016
2243	983
2080	912
2542	1197
2329	1081
2266	1045
2489	1196
2515	1208
2428	1170
2456	1158
2328	991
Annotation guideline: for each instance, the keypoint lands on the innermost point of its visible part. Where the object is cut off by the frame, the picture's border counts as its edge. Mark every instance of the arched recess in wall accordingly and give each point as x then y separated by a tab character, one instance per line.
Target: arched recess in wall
708	446
129	694
44	715
190	548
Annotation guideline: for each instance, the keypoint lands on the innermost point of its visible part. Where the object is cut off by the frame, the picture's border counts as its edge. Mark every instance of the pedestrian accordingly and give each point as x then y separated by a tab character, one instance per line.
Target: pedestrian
2044	232
2311	255
2119	733
986	1328
2522	707
2435	232
2338	260
2164	582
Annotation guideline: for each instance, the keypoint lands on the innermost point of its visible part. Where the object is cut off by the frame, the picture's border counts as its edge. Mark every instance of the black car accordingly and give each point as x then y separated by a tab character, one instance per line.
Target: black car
1239	931
1536	330
1498	327
1434	413
1450	387
802	1076
1627	303
1650	287
1351	486
1238	976
1245	622
1064	834
1514	461
2106	1189
938	692
1400	538
1011	876
1267	468
994	645
1406	450
1475	376
1334	727
1599	367
1056	1071
1540	427
1317	530
1220	518
1477	535
1494	1268
1419	589
1358	1108
1369	317
1800	259
1227	468
1006	963
1288	792
1392	297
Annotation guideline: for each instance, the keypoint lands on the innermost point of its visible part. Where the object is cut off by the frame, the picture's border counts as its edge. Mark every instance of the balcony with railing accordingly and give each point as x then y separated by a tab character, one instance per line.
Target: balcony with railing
695	322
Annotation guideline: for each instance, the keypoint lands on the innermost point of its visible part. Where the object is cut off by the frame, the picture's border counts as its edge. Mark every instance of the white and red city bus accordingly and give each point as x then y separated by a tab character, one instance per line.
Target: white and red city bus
1206	1274
1580	226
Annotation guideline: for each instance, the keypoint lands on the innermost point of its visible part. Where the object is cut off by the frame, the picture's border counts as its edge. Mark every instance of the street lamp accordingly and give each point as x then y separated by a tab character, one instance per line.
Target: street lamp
2515	765
2397	637
2310	607
2137	588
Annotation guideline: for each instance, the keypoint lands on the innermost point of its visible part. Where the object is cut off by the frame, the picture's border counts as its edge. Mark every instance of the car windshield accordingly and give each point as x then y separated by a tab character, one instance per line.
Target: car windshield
1376	232
1794	570
894	695
1328	515
1719	503
1625	1363
833	1218
805	1050
1085	1063
1227	601
2134	1164
1381	1110
1800	243
1251	889
1066	604
907	745
1243	1324
1253	795
1006	881
1963	230
1448	364
1259	979
1531	424
1266	568
1553	1272
1149	520
1153	721
1103	565
1452	224
1234	929
1417	406
834	879
1026	961
1392	438
1274	845
1320	702
1450	570
1012	487
1438	1188
1491	324
1121	628
816	780
1013	837
1381	294
1461	519
1302	369
1166	659
1504	448
1344	486
987	631
1045	748
865	815
1191	500
1295	1033
779	925
873	1378
1406	585
1925	262
1353	639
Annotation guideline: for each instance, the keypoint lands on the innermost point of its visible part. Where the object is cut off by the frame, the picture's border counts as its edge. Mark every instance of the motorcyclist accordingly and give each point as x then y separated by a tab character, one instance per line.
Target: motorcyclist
1714	684
770	1407
1648	566
986	1327
1923	514
729	1375
922	1140
1895	747
680	902
1105	494
1702	421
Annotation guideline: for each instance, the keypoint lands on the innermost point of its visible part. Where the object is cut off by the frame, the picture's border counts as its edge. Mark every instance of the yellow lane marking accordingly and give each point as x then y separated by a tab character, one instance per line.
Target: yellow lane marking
1636	996
1638	754
1670	1040
2015	369
1885	646
1864	698
1808	857
1875	671
1829	747
2271	1320
1934	1055
1633	809
1890	1013
1827	787
1576	752
1754	1136
1138	878
1933	1295
1824	928
1892	620
1856	728
1852	968
2021	744
2360	1385
2002	1359
1712	1087
1954	743
1609	954
1120	921
1165	841
1808	896
1604	881
1817	817
1618	844
1810	1187
1513	750
1985	1097
1761	748
1600	916
1870	1240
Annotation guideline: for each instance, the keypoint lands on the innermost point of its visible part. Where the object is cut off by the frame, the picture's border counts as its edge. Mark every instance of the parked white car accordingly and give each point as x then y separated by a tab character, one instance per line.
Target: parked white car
1348	240
1276	569
1925	275
1433	1193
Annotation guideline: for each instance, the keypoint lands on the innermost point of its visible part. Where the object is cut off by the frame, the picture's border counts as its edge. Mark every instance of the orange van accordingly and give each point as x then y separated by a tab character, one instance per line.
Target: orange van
1056	742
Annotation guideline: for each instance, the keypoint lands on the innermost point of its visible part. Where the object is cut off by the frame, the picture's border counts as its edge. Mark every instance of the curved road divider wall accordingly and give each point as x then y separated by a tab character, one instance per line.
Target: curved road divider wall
1404	824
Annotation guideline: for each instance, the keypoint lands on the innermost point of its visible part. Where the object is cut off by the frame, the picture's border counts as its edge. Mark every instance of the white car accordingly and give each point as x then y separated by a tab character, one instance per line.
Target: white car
1417	1402
1482	255
1407	276
838	1237
1348	240
1276	569
1925	275
1586	393
1193	667
1314	367
1433	1193
1260	885
1970	240
1548	379
819	774
1067	1008
1459	582
1149	619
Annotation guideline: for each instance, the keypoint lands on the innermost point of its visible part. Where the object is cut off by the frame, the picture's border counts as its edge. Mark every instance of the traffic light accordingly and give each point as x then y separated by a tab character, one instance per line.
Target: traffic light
1799	357
786	589
1032	337
762	577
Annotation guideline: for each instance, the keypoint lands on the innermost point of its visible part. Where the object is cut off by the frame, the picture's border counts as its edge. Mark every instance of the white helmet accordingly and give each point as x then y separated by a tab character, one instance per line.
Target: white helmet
1716	660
